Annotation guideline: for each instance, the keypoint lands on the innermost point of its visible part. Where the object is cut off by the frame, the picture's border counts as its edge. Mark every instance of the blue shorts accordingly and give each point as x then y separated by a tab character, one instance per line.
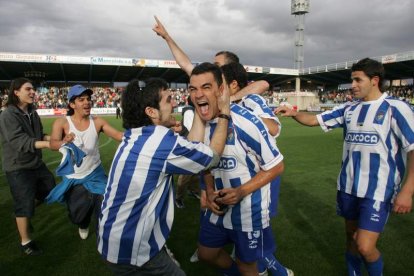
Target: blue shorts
249	246
372	215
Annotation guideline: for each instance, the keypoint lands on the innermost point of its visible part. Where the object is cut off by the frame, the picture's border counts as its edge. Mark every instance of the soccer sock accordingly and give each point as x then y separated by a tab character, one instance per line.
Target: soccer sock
272	265
232	271
353	263
375	268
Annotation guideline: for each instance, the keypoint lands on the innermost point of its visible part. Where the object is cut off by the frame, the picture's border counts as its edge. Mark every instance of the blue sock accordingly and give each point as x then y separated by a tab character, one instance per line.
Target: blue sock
272	265
353	263
375	268
232	271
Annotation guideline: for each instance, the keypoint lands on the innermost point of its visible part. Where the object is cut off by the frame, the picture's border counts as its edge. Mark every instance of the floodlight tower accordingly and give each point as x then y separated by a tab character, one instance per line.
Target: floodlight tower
299	8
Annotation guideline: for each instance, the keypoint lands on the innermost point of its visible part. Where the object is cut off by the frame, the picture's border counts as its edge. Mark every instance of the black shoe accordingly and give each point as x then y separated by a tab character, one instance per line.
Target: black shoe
194	194
179	203
31	249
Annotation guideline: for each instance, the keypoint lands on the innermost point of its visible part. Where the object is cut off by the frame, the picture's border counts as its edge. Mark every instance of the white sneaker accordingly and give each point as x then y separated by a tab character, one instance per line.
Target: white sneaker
83	233
290	272
171	255
265	273
194	258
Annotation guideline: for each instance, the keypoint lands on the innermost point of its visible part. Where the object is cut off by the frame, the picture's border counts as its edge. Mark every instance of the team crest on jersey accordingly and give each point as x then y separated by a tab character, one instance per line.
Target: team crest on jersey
362	138
227	163
379	118
348	117
230	136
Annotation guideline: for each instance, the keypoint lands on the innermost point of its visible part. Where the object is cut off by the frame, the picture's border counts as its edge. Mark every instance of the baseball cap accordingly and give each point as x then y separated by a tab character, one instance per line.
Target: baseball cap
77	90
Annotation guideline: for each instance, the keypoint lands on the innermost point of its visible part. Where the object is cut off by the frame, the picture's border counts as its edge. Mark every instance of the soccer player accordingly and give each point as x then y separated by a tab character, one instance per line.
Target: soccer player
241	181
22	138
378	139
221	58
236	78
138	206
83	189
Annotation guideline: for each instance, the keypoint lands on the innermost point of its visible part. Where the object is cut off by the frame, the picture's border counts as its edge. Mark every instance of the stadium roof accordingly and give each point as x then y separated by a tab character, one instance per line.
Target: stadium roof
69	69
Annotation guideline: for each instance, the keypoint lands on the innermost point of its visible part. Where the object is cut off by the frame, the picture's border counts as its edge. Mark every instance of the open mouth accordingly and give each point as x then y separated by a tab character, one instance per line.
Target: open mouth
204	107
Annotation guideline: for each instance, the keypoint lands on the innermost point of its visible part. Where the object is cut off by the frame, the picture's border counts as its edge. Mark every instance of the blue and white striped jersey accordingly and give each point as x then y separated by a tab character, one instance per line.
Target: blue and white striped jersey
377	136
257	104
138	209
249	148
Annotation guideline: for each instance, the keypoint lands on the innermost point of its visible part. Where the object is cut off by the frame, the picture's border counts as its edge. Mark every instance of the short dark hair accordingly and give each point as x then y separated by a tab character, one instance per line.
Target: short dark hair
235	71
230	56
135	99
70	110
371	68
207	67
16	84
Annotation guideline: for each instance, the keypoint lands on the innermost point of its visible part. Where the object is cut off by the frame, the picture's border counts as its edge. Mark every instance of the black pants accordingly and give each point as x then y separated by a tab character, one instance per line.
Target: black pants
82	204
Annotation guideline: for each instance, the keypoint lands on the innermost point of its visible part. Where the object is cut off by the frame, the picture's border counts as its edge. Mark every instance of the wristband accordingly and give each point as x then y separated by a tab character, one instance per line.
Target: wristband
224	116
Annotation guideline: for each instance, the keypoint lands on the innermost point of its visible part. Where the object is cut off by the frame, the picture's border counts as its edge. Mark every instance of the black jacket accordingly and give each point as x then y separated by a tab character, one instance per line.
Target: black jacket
18	134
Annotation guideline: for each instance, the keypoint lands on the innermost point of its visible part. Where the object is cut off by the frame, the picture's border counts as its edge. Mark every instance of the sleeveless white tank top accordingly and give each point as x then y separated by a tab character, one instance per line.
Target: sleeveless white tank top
87	141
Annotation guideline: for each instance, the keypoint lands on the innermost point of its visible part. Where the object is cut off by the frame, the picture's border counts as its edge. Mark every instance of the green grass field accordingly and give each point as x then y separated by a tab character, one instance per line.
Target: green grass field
309	234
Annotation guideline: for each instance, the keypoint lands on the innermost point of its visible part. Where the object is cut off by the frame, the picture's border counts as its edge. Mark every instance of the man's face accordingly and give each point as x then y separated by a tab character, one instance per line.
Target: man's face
362	85
26	93
204	91
220	60
82	105
166	108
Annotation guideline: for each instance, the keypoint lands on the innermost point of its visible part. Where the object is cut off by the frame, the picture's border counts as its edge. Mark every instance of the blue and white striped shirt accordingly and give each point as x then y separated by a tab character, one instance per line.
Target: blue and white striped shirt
138	210
377	136
249	149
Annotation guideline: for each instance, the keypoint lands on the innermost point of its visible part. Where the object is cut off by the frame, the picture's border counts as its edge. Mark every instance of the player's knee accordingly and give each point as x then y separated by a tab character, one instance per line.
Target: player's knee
206	254
365	248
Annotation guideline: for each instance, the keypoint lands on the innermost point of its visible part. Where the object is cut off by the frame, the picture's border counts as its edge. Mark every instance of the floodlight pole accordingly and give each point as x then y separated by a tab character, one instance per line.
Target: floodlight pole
299	8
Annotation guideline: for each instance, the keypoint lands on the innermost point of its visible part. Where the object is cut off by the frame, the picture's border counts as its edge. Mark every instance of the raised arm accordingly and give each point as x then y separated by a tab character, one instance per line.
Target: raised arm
301	117
196	133
257	87
404	200
180	57
110	131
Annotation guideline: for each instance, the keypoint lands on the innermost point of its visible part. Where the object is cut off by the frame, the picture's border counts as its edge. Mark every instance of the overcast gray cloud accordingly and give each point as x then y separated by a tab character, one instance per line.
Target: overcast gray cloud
261	32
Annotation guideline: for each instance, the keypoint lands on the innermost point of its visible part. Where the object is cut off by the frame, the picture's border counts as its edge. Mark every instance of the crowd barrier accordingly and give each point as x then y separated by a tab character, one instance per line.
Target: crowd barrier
62	111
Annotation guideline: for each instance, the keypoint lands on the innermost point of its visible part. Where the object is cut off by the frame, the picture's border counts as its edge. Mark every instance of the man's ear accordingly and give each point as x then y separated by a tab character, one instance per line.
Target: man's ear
375	80
234	85
152	113
72	105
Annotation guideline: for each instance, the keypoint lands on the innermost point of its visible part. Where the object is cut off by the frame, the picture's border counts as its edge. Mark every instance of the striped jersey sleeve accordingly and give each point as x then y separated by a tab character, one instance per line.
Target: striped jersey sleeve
257	104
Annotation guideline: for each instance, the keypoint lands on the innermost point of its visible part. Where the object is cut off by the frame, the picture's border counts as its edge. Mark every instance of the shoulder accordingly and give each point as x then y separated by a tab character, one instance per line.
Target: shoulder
9	112
255	97
98	121
243	118
60	122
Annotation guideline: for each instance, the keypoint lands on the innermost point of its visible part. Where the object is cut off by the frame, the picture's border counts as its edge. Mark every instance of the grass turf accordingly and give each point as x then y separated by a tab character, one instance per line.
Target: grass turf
310	236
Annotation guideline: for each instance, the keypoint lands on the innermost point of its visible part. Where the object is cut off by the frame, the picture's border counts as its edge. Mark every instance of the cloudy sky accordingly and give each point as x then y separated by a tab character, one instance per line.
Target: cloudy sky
261	32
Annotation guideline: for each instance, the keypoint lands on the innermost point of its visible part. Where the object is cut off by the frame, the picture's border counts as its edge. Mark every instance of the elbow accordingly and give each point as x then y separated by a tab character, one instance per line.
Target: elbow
54	145
281	168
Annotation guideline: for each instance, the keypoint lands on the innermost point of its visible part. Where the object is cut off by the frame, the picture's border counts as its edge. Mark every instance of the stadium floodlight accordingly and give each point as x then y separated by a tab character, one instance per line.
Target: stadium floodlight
299	8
